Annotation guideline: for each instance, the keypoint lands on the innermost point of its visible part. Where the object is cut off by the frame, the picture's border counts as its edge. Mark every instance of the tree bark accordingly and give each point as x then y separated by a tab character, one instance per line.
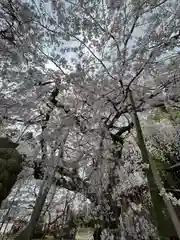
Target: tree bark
27	232
152	174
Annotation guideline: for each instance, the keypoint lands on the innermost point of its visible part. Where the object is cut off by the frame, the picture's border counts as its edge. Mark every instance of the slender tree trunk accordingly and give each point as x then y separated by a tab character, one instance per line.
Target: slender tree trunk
27	232
152	174
163	221
97	234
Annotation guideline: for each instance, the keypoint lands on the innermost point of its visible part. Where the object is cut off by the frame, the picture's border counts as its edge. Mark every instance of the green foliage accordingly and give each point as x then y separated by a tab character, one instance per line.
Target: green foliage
170	114
159	115
175	115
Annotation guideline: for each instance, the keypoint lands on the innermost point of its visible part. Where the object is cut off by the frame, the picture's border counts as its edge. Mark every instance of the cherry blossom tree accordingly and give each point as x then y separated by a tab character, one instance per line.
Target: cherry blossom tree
79	113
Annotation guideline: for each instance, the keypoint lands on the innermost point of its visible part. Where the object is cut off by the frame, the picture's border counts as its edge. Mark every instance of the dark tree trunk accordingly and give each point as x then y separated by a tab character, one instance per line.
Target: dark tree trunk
97	234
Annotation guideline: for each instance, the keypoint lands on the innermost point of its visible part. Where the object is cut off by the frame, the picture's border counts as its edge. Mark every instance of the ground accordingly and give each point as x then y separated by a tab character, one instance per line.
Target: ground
82	234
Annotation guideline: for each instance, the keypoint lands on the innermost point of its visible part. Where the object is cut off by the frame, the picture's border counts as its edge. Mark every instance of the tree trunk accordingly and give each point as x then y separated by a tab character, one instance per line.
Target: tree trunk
97	234
163	221
153	176
27	232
